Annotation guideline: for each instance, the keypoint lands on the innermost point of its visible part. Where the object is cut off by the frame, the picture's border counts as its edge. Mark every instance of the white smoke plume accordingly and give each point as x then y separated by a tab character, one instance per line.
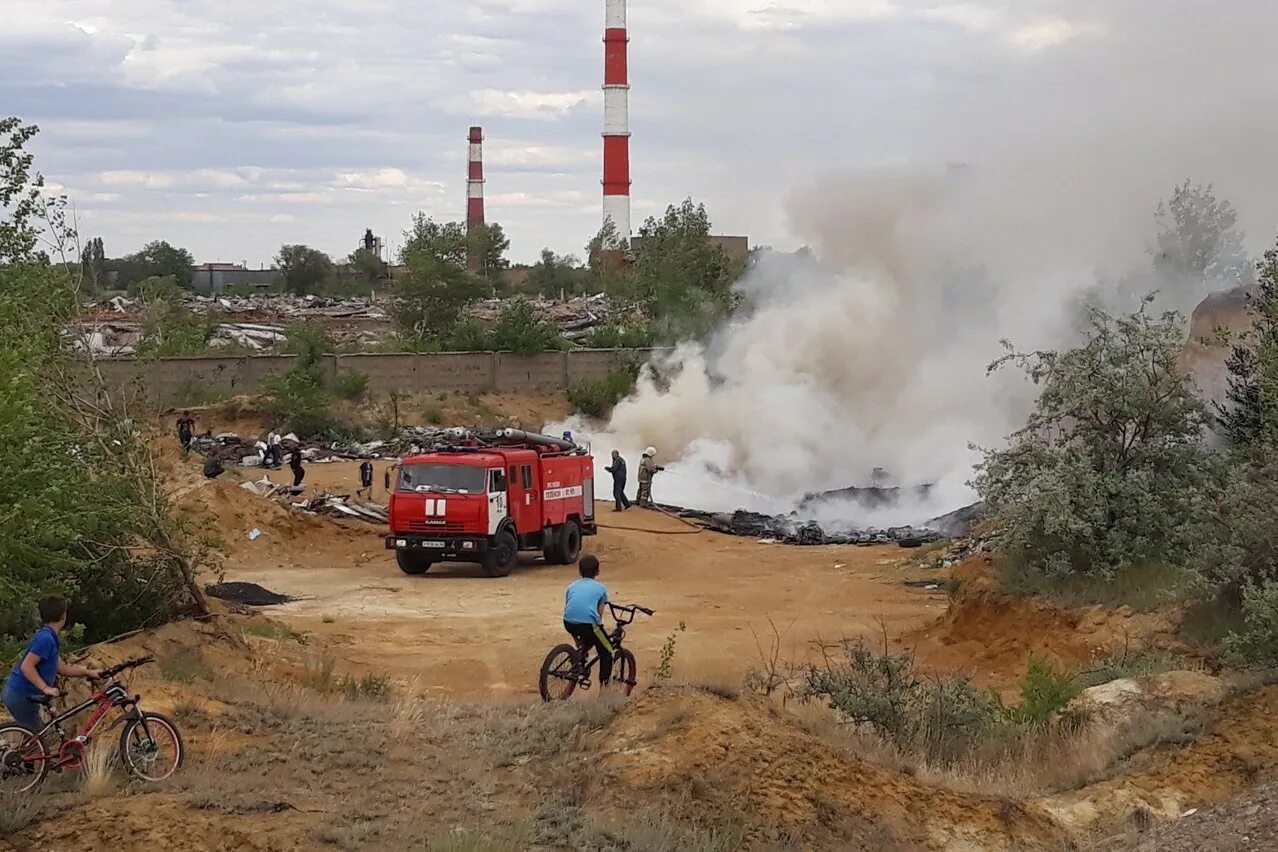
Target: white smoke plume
872	353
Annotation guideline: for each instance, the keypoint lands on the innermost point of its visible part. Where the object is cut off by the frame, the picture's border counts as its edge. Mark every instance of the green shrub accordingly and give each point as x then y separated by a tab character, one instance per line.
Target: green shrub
522	330
1045	692
596	398
621	337
351	385
301	401
1110	471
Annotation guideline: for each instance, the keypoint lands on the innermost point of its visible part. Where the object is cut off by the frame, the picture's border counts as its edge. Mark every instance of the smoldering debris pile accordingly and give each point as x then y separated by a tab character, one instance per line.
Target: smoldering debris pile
792	529
871	497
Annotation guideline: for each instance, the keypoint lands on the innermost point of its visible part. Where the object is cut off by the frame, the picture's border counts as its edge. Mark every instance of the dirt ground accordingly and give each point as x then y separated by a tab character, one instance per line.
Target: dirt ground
462	634
457	753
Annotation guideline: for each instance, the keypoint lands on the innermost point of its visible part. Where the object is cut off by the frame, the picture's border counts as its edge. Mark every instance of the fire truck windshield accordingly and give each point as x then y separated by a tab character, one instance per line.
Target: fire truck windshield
443	478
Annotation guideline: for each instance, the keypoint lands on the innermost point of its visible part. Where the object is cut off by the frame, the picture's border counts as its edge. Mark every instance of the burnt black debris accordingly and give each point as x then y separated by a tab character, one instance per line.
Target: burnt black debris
791	529
249	594
872	497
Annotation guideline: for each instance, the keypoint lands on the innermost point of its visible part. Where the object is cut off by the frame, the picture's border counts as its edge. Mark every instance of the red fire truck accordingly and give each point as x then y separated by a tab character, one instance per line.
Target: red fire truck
491	497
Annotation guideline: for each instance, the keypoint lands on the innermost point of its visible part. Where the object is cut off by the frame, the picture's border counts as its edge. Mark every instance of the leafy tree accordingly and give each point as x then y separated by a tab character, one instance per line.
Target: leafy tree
681	277
467	335
20	192
157	259
1199	241
1250	416
521	329
489	244
301	400
95	524
431	299
168	328
444	244
305	269
1110	470
93	263
368	266
553	275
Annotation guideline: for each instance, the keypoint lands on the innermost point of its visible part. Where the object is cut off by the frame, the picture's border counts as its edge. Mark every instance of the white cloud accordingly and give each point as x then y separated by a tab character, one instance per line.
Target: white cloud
1043	35
525	104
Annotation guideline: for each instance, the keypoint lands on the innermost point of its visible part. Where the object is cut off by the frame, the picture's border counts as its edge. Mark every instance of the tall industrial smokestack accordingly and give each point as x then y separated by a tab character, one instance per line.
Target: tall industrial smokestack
475	190
616	134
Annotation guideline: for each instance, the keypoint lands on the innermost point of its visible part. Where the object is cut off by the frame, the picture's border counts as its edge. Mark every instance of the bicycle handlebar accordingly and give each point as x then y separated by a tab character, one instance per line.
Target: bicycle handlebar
629	610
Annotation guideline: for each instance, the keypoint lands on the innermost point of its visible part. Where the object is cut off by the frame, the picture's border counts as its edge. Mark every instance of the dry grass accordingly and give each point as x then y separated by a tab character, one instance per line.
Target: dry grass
97	777
185	665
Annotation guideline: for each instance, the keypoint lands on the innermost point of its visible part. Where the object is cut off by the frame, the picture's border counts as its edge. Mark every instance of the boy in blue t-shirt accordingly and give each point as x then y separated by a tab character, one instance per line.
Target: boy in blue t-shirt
39	666
583	614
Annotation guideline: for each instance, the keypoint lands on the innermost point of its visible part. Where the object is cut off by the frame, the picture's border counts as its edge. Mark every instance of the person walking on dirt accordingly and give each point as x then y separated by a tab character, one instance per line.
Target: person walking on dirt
39	665
366	479
186	431
295	465
618	471
583	614
648	468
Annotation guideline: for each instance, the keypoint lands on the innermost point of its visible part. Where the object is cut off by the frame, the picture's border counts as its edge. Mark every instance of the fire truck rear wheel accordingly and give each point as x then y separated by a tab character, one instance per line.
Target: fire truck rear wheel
412	563
568	548
501	557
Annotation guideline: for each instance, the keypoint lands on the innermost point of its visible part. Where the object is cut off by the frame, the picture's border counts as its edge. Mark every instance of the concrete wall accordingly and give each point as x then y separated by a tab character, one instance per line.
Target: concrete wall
169	381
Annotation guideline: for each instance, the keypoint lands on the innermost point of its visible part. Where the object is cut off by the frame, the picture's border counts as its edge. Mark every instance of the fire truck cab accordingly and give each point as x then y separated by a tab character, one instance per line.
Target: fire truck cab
486	501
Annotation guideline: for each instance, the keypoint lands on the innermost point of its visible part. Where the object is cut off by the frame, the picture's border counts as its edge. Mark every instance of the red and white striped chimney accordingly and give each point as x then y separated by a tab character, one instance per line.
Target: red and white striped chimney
475	180
616	134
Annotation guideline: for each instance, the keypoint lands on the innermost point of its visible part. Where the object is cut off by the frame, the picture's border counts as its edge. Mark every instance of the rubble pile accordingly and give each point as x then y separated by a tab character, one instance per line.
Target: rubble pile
260	323
341	506
792	529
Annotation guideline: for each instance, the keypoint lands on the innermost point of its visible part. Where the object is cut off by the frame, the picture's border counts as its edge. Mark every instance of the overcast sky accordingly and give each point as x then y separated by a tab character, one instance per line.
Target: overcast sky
231	127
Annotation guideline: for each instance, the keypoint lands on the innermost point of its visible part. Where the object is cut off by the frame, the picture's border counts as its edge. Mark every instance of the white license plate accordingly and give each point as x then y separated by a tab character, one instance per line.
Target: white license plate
438	544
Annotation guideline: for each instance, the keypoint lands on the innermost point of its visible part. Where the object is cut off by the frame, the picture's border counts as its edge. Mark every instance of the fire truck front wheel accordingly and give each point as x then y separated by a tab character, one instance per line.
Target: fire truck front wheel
500	559
412	563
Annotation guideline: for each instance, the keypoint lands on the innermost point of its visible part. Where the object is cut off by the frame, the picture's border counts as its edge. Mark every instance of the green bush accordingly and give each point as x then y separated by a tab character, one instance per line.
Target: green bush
522	330
596	398
1045	692
1110	471
627	336
351	385
301	401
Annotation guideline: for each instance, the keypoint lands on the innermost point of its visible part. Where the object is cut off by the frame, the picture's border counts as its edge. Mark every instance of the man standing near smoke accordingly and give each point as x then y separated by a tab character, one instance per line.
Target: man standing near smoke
618	471
648	468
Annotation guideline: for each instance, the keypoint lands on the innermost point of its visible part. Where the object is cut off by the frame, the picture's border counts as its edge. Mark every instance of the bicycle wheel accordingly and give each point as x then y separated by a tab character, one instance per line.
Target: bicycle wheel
24	761
558	673
151	748
624	672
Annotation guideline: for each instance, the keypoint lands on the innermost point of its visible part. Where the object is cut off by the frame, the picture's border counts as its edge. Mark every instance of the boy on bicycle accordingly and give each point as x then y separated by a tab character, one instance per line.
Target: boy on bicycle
39	665
583	614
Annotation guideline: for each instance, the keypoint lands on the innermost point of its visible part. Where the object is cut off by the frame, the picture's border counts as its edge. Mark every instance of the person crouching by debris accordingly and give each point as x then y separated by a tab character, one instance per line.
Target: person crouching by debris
618	471
213	467
366	479
648	468
295	465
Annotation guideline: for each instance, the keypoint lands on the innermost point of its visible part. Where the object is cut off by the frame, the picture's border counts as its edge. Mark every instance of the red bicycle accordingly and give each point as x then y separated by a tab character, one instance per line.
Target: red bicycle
150	746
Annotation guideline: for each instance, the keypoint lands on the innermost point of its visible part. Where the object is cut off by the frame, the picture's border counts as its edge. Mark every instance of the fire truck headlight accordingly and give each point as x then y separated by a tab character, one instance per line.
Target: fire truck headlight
401	542
468	545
